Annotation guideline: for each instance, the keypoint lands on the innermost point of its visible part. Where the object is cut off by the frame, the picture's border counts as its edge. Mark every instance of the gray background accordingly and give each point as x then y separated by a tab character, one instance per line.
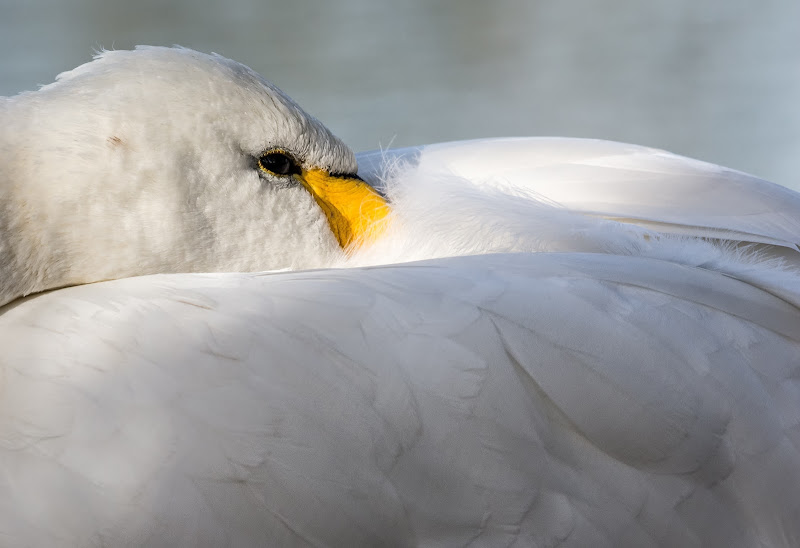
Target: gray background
713	79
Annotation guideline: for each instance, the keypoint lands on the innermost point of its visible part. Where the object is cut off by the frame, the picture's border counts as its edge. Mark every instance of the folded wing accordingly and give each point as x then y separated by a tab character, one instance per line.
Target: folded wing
582	399
630	183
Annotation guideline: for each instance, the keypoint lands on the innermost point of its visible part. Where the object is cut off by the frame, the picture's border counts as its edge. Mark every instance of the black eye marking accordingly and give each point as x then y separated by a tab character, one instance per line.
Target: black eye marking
337	175
278	162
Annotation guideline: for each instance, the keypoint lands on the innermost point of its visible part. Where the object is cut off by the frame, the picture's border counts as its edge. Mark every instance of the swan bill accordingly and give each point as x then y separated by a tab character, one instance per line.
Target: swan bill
356	213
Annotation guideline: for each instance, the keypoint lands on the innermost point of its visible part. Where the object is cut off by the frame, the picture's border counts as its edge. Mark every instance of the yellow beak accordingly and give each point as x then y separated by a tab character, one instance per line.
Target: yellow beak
356	213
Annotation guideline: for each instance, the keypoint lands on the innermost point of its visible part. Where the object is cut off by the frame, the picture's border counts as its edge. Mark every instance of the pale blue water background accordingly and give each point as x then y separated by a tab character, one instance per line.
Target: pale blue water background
713	79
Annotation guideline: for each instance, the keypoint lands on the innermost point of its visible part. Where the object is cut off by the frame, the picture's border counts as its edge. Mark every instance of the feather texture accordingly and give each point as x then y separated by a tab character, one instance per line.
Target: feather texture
556	342
527	398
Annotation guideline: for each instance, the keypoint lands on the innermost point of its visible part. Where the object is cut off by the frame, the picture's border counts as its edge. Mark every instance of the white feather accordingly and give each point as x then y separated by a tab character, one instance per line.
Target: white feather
600	346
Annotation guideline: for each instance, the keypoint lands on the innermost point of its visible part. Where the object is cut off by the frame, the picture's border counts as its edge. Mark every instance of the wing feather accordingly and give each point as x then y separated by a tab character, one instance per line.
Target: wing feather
641	185
529	398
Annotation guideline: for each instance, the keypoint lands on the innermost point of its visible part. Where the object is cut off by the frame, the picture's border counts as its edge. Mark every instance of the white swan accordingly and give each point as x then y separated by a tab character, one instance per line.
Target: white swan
600	346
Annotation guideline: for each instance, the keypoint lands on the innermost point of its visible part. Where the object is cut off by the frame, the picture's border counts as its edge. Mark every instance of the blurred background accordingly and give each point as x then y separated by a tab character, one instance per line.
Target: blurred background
717	80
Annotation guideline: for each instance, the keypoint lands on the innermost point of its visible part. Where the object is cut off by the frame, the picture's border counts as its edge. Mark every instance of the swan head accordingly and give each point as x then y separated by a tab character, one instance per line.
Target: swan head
169	160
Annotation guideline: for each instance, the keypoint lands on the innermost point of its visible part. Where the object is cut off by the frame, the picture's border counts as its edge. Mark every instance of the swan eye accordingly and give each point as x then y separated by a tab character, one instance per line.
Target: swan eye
278	163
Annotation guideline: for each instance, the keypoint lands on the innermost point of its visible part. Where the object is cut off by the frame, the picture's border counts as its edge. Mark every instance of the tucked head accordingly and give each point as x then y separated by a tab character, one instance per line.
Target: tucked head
169	160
